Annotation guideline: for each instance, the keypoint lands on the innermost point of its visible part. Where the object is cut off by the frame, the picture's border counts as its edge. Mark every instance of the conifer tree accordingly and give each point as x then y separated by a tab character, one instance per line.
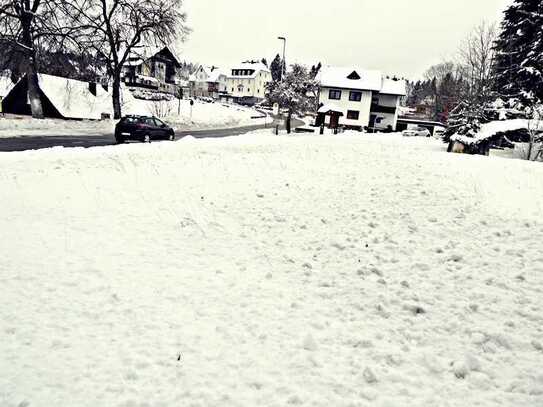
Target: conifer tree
519	52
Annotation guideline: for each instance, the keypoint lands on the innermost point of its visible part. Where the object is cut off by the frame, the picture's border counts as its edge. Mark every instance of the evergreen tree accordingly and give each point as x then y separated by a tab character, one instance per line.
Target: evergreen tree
315	69
519	48
293	93
276	68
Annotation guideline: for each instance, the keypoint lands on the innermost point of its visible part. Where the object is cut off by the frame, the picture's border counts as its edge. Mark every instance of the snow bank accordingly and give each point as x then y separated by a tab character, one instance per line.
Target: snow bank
204	116
261	270
26	126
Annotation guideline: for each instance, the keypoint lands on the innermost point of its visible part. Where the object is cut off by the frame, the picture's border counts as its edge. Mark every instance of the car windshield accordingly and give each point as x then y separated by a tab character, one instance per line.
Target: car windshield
130	120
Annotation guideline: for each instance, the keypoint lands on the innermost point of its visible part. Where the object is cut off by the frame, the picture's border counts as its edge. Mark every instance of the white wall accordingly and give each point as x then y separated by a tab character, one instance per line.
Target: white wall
252	87
345	104
388	119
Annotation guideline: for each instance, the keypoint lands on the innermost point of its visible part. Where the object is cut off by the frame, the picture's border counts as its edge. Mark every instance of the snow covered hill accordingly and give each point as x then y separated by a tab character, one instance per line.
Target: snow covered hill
270	271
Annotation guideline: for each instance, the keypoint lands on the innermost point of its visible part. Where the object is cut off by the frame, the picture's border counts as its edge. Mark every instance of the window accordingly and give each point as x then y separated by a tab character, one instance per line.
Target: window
353	114
355	96
334	94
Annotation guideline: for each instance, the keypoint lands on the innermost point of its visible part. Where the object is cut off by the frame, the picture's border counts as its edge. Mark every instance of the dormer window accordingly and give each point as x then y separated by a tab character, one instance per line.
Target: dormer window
354	76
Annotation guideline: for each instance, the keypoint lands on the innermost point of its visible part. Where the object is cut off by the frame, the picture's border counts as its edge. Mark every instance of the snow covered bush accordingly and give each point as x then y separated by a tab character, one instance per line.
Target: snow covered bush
161	108
145	94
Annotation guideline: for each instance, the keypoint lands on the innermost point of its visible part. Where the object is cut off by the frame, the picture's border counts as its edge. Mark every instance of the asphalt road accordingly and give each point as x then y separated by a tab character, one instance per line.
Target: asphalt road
38	142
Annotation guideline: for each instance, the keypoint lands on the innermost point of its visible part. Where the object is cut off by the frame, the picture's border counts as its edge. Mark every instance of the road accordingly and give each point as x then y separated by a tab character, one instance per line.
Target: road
39	142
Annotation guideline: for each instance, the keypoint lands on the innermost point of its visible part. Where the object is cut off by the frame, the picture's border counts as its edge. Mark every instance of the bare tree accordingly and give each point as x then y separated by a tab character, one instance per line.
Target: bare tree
117	29
26	26
20	24
476	58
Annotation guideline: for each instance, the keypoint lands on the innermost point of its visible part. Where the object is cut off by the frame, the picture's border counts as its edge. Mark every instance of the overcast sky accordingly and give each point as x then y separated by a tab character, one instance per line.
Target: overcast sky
401	37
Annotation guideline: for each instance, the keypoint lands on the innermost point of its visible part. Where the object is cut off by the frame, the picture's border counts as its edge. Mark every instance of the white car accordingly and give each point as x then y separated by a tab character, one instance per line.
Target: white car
416	132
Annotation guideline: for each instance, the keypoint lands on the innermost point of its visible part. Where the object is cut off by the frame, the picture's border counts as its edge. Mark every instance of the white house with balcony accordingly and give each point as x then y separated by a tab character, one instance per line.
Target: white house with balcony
359	99
246	83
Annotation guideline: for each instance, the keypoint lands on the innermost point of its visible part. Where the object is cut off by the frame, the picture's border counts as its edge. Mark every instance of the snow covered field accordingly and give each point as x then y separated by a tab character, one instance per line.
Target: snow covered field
270	271
204	116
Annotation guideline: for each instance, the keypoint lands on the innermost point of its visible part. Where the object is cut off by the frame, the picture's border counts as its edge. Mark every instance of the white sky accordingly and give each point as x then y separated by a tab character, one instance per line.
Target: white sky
402	37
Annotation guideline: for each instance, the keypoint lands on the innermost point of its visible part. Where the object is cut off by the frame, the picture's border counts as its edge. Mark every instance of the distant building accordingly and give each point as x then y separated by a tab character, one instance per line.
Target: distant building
246	83
358	99
208	81
154	69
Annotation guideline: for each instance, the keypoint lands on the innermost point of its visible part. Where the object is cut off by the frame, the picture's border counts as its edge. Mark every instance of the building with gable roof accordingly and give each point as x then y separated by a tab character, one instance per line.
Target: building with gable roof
152	68
361	99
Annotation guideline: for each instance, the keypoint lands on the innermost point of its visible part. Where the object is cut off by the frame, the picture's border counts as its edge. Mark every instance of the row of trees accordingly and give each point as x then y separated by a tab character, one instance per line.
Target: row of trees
106	31
467	78
493	62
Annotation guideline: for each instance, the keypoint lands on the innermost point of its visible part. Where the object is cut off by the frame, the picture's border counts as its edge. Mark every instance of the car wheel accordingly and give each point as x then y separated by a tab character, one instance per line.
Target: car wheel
146	138
119	139
171	137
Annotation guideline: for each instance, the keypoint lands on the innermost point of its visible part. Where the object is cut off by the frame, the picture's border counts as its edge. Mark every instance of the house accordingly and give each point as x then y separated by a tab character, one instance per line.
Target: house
358	99
246	83
208	81
154	69
61	98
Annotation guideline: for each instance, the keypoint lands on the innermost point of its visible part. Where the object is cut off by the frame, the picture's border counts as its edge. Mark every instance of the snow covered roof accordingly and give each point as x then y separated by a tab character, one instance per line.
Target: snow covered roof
361	79
394	87
329	108
73	99
350	78
215	75
5	85
256	67
143	53
489	130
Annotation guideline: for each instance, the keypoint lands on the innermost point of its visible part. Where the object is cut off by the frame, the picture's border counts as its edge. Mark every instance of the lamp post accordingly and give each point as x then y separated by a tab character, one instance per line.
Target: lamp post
284	65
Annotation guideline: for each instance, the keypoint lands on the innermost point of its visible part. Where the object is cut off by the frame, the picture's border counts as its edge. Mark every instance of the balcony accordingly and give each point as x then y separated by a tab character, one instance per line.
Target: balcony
375	108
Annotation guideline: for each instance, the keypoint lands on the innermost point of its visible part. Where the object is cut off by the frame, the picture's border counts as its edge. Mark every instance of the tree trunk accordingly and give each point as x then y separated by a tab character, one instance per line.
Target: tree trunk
34	90
31	67
117	96
530	148
287	121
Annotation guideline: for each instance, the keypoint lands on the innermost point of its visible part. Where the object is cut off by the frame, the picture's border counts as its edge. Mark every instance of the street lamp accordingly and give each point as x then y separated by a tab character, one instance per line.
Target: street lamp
284	65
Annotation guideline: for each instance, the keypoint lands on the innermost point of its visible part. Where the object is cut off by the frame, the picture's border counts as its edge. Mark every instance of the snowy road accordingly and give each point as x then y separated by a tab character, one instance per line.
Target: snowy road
269	271
10	144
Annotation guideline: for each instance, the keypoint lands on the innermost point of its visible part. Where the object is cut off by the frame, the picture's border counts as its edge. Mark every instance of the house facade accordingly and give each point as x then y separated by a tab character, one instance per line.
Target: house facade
152	69
246	83
360	99
208	81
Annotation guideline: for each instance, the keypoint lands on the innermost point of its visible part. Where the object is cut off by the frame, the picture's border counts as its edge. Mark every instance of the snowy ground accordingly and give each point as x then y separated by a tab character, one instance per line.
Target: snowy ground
204	116
270	271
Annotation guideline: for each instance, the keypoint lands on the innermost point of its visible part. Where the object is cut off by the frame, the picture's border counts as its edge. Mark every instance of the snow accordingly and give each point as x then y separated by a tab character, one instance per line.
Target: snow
329	107
5	85
394	87
336	77
268	270
488	130
204	116
73	99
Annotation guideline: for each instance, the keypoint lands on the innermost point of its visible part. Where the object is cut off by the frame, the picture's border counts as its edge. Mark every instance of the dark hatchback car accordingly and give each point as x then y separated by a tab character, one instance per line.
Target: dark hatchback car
143	128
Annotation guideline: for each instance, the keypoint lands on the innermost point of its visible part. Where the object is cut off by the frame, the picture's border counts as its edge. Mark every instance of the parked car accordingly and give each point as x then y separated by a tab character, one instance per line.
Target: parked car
416	132
142	128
